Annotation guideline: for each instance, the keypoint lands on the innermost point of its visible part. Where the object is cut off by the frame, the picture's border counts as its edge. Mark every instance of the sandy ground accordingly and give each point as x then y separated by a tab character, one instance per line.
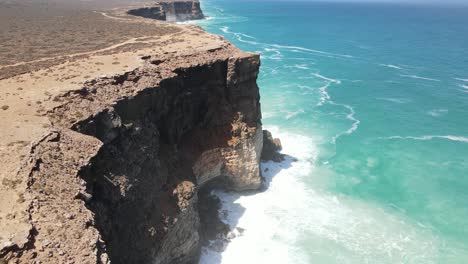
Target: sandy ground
25	98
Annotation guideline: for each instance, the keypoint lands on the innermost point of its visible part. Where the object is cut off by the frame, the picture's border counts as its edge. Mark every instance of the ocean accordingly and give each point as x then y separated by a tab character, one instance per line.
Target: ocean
370	102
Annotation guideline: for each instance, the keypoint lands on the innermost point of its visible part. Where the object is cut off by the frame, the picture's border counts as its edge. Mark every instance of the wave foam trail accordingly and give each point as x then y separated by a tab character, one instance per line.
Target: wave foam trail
225	29
438	112
324	96
295	113
311	50
240	36
391	66
350	116
395	100
288	219
419	77
326	78
275	56
464	86
298	66
448	137
460	79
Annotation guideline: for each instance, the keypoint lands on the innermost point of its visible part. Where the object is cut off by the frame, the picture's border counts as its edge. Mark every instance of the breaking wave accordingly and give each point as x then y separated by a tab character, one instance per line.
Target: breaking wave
272	225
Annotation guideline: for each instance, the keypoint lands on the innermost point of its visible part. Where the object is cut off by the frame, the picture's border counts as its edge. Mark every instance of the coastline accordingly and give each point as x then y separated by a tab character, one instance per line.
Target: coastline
142	141
360	206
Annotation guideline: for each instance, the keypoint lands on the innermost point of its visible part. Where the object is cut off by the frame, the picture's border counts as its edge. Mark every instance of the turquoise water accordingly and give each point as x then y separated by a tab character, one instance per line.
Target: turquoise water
372	99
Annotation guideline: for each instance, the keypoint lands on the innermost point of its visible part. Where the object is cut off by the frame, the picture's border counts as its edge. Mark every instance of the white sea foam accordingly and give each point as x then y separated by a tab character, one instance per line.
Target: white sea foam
299	66
293	222
326	78
464	86
295	113
437	112
391	66
324	96
224	29
275	54
395	100
349	116
270	47
305	87
449	137
460	79
240	36
315	54
420	78
259	214
311	50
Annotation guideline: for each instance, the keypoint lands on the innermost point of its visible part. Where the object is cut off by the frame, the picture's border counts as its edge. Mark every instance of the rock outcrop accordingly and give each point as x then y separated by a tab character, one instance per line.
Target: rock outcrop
171	10
271	148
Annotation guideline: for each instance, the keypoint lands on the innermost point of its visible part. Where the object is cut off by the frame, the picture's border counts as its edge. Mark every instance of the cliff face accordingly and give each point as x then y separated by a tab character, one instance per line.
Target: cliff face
162	144
182	10
117	179
155	12
171	11
109	155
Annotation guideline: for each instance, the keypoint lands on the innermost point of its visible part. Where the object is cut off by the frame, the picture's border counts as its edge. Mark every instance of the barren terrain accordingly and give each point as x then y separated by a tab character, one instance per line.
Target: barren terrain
39	34
49	50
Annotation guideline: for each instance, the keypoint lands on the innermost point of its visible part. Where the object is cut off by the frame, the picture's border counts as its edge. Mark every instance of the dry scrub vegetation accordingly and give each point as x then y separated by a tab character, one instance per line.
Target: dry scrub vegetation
40	29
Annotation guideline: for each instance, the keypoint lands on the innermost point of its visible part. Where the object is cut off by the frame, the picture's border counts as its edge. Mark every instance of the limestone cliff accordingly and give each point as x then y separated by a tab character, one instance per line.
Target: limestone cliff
117	177
105	153
170	10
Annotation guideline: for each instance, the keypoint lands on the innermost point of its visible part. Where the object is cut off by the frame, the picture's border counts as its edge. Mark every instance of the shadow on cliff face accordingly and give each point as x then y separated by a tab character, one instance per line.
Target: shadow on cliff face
220	211
151	141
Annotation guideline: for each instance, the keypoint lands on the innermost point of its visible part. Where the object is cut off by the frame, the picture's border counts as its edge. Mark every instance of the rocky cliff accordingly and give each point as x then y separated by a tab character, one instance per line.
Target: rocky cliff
170	10
108	155
116	177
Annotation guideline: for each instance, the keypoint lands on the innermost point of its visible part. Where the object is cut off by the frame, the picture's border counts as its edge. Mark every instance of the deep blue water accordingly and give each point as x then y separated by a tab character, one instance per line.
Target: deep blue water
373	101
